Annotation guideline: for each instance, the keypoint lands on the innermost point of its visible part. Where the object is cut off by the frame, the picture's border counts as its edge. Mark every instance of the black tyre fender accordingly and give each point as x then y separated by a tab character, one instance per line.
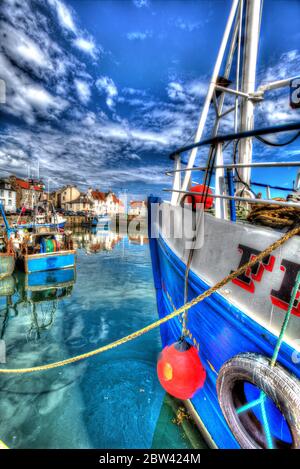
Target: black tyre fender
279	385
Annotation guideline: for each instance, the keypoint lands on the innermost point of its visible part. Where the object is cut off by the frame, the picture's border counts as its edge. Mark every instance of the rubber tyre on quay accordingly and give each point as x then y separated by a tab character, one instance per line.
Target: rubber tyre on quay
278	384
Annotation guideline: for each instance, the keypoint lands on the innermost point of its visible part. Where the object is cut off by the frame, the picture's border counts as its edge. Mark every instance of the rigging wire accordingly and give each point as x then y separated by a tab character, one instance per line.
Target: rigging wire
275	144
247	186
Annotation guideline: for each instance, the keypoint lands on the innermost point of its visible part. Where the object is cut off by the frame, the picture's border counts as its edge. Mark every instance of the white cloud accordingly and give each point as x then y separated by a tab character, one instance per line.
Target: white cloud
197	88
83	90
139	35
89	119
66	20
287	66
175	91
64	14
134	91
30	51
141	3
275	108
25	99
23	49
107	86
134	156
185	25
187	92
39	97
86	45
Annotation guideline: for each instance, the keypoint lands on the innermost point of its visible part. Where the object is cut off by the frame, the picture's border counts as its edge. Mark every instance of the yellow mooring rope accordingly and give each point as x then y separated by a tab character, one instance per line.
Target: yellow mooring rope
172	315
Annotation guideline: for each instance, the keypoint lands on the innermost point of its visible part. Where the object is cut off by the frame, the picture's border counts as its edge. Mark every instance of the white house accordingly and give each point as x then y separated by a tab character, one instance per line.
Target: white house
8	196
138	208
113	204
105	203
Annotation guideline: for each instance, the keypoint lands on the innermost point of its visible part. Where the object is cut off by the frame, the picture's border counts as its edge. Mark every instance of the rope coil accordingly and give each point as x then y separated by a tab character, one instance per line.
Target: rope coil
163	320
274	216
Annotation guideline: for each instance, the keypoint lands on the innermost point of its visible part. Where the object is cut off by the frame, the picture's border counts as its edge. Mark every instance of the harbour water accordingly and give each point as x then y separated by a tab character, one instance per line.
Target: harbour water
113	400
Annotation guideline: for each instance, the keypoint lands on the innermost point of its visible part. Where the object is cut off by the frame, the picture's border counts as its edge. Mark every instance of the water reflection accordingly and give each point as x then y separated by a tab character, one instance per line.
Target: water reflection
95	240
37	295
111	400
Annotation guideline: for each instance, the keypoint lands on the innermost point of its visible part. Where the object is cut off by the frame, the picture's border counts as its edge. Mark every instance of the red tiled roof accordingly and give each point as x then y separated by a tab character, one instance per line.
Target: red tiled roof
26	185
116	200
98	195
137	203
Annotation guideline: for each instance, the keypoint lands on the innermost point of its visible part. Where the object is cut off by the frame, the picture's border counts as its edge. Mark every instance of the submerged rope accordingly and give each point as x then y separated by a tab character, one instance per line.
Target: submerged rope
172	315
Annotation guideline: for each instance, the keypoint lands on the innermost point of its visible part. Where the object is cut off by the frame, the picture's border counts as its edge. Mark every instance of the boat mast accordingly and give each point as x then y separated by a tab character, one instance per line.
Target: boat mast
209	96
252	31
239	21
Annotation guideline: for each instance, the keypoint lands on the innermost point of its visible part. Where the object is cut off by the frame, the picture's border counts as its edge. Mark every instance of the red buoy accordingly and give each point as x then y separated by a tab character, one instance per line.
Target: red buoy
200	199
180	371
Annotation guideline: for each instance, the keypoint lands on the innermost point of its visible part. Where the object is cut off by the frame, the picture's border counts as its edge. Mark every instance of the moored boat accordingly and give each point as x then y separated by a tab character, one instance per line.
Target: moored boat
250	356
45	216
47	251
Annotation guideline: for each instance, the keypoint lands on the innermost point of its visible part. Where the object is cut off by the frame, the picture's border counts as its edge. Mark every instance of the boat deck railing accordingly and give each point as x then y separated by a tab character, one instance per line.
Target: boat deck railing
227	172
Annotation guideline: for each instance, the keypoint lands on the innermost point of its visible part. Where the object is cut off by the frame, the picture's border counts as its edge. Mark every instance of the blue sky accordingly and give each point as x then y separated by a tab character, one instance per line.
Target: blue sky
101	91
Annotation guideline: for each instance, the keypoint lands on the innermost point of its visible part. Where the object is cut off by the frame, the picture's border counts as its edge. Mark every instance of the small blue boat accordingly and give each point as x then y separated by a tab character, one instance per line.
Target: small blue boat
50	279
45	250
49	261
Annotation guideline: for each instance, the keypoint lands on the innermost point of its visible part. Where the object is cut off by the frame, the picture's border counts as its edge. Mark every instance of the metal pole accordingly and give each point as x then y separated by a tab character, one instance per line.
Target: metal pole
242	199
177	179
253	17
230	183
238	65
220	208
211	90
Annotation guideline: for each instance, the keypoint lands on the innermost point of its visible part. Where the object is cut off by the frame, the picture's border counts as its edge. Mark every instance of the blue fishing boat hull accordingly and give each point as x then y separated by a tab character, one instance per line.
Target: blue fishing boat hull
60	226
220	328
49	261
50	278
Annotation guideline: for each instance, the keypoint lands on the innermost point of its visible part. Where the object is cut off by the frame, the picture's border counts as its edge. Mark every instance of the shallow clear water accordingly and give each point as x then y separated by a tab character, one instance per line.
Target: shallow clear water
112	400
